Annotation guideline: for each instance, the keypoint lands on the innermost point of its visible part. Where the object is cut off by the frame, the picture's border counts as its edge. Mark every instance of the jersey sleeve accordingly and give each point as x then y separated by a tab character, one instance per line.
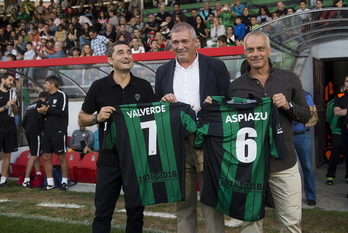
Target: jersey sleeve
276	136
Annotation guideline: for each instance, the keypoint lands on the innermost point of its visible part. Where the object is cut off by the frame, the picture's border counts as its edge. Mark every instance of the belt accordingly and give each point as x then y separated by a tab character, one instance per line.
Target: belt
301	132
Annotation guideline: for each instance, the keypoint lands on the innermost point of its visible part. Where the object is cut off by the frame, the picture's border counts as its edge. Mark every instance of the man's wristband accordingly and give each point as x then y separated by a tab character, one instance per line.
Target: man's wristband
95	119
4	107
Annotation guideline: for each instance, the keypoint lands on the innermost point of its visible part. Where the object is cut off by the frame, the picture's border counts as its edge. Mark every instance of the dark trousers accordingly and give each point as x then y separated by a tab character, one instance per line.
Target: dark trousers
344	134
336	152
109	182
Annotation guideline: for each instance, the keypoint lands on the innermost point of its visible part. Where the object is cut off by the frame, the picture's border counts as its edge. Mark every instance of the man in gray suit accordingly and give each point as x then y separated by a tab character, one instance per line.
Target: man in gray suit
190	78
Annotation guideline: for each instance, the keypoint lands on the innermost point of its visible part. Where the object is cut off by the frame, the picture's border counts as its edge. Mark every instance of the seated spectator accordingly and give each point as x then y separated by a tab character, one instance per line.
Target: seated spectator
113	19
162	43
303	8
246	19
99	43
151	25
161	3
40	49
102	21
20	44
165	30
61	34
216	31
227	16
72	37
237	7
76	52
135	46
122	31
205	12
201	30
134	23
137	34
110	33
58	46
51	25
84	37
222	41
134	4
30	54
86	50
161	16
253	21
47	33
10	49
239	29
230	37
82	140
218	9
121	9
155	46
192	19
264	15
209	24
179	18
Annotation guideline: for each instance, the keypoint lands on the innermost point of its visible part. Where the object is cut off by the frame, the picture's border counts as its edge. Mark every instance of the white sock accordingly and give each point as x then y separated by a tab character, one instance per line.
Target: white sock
3	180
26	180
50	181
64	180
38	174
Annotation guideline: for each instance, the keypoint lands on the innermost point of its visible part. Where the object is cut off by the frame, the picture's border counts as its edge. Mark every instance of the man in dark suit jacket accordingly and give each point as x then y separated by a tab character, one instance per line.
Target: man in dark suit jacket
190	78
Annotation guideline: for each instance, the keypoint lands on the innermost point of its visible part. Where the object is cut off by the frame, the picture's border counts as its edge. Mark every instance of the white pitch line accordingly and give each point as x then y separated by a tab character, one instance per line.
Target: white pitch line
152	214
52	204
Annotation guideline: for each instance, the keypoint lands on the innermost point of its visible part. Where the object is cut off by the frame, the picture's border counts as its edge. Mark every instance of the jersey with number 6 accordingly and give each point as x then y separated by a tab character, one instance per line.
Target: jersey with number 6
150	142
240	135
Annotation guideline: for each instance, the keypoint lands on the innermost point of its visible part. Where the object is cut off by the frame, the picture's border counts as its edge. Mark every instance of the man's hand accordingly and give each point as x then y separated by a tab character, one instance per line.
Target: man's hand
11	103
105	113
208	100
43	109
280	101
169	98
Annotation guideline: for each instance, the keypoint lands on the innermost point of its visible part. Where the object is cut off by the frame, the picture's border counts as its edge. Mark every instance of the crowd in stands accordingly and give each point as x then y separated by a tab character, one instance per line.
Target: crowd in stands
73	28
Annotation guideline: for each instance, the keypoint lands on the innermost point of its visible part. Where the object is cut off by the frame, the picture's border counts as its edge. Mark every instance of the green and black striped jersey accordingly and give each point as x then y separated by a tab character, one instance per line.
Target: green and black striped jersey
240	135
150	141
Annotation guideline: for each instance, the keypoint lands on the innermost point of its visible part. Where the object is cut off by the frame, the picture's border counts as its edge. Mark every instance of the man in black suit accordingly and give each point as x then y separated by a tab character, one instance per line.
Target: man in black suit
190	78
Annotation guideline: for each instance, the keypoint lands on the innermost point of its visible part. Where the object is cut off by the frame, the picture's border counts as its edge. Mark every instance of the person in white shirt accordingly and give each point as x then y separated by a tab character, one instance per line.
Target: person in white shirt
135	46
303	8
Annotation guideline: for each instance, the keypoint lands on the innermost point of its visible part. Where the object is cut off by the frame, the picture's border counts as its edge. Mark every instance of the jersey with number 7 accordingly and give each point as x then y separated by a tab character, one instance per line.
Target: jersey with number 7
240	135
150	141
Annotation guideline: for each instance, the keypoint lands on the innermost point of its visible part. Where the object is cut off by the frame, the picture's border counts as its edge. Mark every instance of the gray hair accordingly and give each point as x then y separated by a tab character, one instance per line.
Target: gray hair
184	26
257	33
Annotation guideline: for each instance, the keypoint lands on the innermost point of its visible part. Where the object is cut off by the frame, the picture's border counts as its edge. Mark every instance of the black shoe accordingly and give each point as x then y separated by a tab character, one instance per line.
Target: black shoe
311	202
63	187
5	185
47	187
27	185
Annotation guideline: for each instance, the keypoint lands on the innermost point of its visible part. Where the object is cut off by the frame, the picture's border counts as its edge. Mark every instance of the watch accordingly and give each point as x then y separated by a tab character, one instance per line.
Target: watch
95	119
292	105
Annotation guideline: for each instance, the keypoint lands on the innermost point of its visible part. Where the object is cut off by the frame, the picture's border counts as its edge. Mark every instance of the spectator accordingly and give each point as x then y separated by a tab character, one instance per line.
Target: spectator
122	31
61	35
55	131
154	46
151	25
76	52
137	34
227	16
51	25
56	20
165	30
30	54
33	124
23	15
218	9
113	19
102	8
58	46
253	21
40	8
86	51
40	49
83	19
99	43
230	37
134	4
161	16
246	19
237	7
10	49
201	30
84	37
162	43
102	21
209	24
135	23
264	15
303	146
20	44
222	41
110	33
192	19
47	33
72	37
239	29
180	18
303	8
135	46
176	11
8	139
81	140
121	9
281	9
216	30
161	3
205	12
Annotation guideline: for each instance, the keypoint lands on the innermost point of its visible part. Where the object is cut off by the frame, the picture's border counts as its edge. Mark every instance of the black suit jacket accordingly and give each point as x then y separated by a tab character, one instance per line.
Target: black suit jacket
213	76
